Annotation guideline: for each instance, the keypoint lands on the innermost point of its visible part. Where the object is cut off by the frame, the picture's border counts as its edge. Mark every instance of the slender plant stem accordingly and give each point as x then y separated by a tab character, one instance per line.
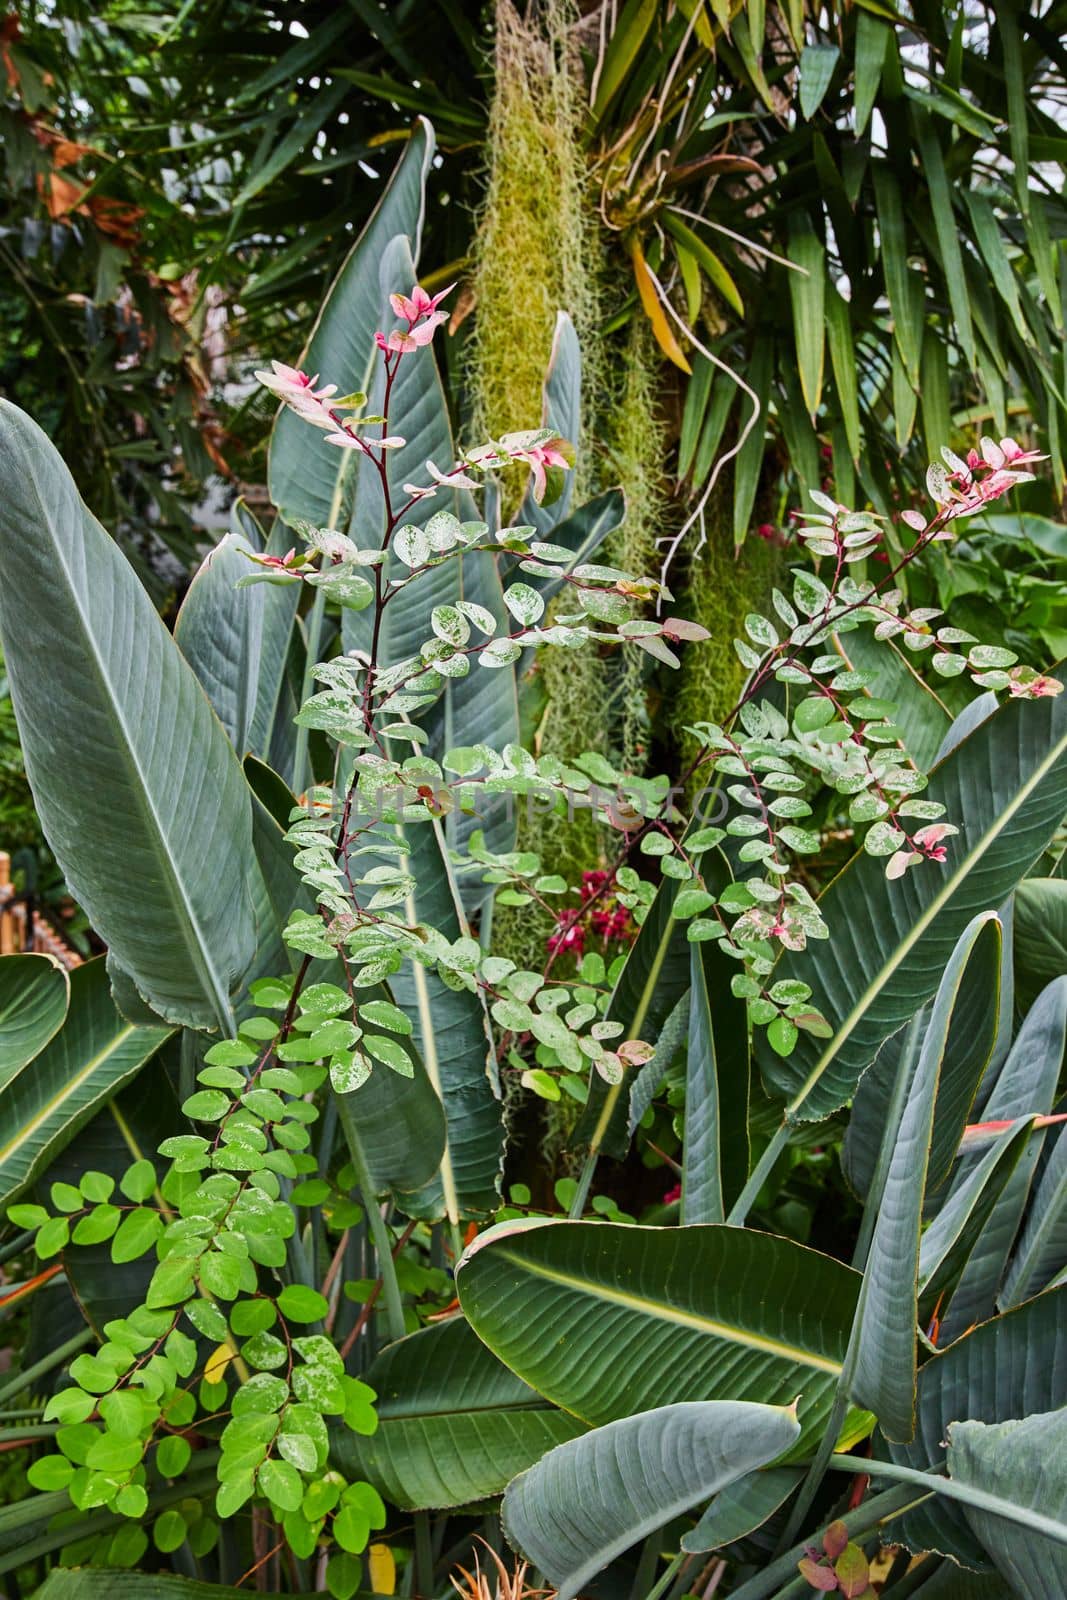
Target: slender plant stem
15	1247
817	1471
646	1567
585	1179
394	1308
36	1430
760	1173
48	1363
423	1556
967	1495
667	1578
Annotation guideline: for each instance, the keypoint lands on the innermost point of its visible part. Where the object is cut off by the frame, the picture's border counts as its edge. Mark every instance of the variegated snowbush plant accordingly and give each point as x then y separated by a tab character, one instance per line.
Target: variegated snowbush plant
285	1331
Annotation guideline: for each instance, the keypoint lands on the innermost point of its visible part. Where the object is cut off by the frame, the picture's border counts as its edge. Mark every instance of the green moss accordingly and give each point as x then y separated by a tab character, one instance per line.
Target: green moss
719	586
532	244
636	437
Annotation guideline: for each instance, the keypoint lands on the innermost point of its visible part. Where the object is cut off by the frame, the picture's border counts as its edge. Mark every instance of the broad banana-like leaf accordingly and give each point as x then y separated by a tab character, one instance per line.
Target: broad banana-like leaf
237	640
483	706
1040	935
454	1425
715	1148
884	1354
866	1124
450	1030
890	941
34	995
741	1508
1041	1252
947	1244
94	1053
972	1031
702	1313
1026	1085
220	631
947	1581
134	780
401	1120
649	1080
561	410
1007	1368
306	480
1025	1464
590	1500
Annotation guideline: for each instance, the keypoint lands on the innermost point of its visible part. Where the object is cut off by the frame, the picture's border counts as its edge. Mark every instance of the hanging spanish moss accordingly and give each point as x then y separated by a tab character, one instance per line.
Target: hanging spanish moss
636	437
532	246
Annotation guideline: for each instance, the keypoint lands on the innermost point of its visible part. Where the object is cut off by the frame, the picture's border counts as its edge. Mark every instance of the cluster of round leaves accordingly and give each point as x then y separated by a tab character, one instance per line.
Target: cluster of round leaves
837	735
465	631
565	1019
221	1350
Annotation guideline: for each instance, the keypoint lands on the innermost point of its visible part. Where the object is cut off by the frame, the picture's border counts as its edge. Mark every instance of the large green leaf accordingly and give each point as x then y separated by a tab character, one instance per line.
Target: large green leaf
947	1581
884	1355
1040	935
139	792
400	1119
1041	1252
702	1313
946	229
454	1424
972	1030
483	706
903	283
306	480
947	1243
1007	1368
890	941
715	1149
419	409
219	632
1023	1462
742	1507
450	1030
590	1500
34	995
87	1061
807	288
237	641
1026	1084
561	410
450	1026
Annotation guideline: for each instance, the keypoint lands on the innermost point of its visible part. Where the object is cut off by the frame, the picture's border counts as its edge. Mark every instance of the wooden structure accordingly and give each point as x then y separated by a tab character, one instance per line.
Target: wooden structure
22	928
